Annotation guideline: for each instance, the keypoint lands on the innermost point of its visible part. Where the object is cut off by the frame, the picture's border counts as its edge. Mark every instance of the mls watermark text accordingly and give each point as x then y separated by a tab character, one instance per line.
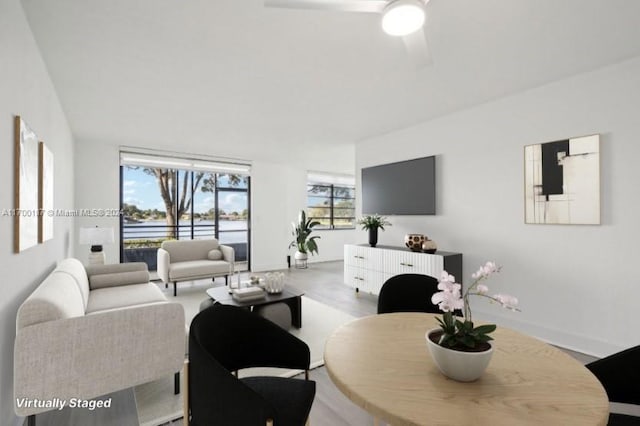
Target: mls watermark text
61	212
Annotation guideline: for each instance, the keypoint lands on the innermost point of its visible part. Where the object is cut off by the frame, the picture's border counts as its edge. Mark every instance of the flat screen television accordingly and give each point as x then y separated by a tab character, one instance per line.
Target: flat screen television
403	188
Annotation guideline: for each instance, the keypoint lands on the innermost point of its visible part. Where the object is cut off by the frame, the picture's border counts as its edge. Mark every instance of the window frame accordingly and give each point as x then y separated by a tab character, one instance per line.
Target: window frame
332	198
191	228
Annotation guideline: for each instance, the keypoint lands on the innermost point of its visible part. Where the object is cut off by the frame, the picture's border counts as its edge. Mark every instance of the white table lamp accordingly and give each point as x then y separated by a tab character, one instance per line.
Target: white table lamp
96	237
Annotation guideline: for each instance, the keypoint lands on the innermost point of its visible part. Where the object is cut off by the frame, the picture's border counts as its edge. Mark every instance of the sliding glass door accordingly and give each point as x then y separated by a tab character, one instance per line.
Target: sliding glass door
162	203
232	205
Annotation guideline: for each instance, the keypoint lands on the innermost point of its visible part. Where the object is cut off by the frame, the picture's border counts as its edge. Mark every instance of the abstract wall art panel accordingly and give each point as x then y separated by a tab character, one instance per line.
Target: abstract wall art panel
45	191
26	187
562	181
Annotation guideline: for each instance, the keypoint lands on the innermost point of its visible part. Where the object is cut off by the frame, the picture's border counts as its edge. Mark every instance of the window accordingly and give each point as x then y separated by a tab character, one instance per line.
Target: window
331	200
166	197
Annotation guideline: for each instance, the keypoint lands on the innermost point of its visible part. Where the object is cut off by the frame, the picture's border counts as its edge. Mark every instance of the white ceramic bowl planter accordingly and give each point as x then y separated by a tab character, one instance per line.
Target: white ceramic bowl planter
458	365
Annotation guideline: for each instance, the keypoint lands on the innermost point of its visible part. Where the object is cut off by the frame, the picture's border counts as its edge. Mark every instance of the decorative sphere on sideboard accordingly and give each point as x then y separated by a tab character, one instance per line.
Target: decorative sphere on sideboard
429	246
414	241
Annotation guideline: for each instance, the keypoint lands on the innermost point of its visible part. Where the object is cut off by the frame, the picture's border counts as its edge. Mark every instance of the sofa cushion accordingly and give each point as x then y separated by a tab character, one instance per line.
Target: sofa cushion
75	269
111	268
197	268
57	297
215	254
182	250
117	279
124	296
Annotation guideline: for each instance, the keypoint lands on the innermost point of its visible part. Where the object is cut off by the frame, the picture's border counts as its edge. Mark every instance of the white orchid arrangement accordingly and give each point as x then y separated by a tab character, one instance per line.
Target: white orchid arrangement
457	334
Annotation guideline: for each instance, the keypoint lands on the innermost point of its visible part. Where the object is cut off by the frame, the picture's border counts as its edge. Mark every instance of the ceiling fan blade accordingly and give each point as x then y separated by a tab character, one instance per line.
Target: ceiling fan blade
372	6
418	49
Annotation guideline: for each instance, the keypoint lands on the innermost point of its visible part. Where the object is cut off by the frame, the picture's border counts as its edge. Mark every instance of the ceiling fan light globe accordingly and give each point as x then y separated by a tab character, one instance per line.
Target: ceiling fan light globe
402	17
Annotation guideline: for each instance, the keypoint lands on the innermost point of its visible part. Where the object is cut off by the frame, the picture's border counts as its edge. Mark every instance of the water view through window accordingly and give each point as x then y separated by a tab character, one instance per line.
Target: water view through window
161	204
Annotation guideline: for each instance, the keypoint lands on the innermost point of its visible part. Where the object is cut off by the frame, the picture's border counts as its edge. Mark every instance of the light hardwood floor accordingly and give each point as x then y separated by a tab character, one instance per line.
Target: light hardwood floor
324	283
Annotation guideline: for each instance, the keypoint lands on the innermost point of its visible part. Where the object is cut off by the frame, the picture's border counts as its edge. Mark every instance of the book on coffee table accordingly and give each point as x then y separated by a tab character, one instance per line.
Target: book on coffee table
246	294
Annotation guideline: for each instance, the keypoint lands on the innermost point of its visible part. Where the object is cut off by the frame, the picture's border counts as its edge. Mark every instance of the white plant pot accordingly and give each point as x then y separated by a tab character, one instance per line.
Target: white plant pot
458	365
300	255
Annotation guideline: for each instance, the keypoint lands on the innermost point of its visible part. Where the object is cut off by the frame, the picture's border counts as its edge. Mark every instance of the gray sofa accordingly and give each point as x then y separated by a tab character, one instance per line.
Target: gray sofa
187	260
87	332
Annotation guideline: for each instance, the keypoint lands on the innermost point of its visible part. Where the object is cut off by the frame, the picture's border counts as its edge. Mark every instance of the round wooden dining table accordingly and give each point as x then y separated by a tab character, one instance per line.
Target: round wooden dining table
382	364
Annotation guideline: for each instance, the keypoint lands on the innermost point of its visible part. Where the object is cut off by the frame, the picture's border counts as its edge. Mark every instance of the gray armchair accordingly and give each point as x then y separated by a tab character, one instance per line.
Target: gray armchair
187	260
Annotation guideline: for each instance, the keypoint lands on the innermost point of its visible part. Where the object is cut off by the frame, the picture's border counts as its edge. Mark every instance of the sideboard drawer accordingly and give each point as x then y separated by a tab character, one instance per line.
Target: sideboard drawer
402	262
363	279
364	257
367	268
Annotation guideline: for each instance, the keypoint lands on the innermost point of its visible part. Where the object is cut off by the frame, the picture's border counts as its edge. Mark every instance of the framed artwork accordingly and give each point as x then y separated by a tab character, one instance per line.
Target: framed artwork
26	186
45	193
562	181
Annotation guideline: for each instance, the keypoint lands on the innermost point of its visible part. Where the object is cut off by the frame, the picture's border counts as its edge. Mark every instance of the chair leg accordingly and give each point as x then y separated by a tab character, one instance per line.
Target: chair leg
31	420
226	280
175	289
306	374
185	394
166	285
176	383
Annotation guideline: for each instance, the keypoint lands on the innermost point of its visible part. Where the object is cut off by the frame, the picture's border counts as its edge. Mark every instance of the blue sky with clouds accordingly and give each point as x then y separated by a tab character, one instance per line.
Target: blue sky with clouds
141	190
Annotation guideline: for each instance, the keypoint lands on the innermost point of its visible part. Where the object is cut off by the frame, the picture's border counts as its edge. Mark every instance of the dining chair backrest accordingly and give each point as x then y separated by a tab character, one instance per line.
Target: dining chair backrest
224	339
408	293
620	376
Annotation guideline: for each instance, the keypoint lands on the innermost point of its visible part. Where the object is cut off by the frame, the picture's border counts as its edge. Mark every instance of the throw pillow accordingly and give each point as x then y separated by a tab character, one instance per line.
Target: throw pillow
118	279
215	254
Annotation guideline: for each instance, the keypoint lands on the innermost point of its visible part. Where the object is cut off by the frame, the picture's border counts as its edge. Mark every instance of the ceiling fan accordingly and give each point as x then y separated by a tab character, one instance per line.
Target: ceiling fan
400	18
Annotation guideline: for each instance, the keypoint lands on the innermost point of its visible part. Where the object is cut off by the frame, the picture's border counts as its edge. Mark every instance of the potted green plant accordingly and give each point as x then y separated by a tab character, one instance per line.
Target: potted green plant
372	223
302	241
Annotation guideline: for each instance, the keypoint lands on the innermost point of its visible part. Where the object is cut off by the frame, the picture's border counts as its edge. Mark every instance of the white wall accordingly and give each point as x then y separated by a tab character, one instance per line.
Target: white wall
26	90
578	285
274	200
97	183
278	192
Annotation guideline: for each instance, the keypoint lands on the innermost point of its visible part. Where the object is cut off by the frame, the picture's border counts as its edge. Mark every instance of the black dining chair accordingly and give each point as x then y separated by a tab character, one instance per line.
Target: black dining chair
224	339
620	376
408	293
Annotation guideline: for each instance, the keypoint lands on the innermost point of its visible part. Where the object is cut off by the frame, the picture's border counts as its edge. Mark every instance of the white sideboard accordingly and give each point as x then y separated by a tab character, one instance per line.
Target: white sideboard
367	268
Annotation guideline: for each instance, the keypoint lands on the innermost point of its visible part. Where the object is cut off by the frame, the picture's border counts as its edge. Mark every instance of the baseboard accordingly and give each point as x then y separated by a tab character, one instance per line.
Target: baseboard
322	260
267	268
574	342
279	267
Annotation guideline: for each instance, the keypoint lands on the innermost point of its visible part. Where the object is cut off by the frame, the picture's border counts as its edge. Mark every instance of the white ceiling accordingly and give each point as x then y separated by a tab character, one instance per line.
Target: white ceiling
230	77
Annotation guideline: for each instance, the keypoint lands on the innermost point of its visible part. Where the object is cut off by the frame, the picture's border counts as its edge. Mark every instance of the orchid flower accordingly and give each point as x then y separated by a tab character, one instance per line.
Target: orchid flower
450	298
506	301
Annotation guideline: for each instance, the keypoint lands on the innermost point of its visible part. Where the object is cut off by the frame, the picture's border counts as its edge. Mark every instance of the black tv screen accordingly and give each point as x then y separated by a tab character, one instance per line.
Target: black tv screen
404	188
